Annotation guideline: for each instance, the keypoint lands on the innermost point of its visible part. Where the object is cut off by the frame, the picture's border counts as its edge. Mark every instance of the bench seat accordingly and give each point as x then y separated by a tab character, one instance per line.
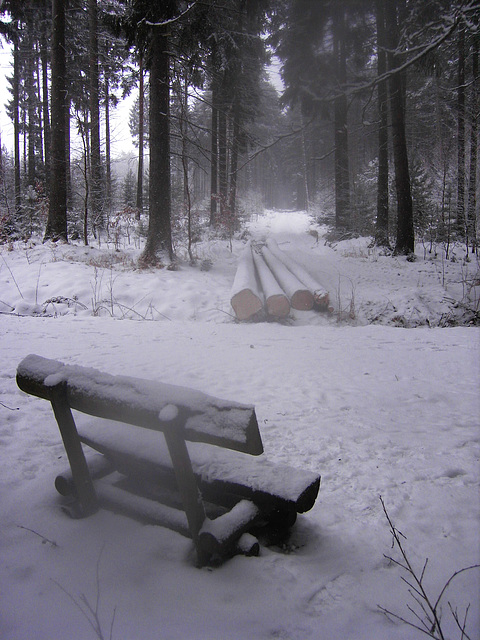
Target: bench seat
219	472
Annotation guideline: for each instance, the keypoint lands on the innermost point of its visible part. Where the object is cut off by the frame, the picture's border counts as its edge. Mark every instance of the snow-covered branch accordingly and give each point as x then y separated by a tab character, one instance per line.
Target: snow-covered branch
164	23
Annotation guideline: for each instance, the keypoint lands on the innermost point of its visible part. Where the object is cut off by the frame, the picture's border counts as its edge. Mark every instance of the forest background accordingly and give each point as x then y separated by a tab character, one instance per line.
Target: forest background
376	130
375	136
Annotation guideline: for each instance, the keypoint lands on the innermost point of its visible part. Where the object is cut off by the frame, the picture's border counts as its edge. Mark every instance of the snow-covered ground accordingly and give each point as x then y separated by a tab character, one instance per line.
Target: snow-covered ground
376	409
365	286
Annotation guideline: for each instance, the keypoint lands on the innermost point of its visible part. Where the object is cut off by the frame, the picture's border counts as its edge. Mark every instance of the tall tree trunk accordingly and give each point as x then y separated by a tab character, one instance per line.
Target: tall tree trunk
214	155
461	132
3	186
311	143
108	164
141	119
25	140
472	182
183	124
57	213
222	157
39	111
183	91
232	196
45	107
95	161
67	149
236	116
342	171
306	189
31	109
405	242
16	123
300	193
84	136
381	230
159	227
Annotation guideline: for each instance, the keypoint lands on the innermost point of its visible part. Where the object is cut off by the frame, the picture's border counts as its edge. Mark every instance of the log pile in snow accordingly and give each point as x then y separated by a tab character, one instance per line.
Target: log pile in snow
320	294
271	281
276	302
300	297
246	298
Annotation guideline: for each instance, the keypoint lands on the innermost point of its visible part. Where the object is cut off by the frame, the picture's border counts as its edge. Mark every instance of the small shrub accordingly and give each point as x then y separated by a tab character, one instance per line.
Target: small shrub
426	611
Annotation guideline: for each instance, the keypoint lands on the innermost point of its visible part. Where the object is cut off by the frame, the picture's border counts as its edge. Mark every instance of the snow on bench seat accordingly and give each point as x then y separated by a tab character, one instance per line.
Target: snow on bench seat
219	473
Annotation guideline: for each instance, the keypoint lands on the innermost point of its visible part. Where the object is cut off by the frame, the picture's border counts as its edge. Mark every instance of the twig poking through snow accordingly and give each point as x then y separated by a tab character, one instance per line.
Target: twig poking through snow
13	278
10	408
45	540
88	611
430	614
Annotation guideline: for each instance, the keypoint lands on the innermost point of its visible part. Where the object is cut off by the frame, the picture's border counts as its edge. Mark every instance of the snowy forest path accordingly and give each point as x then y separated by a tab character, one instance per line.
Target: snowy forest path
366	284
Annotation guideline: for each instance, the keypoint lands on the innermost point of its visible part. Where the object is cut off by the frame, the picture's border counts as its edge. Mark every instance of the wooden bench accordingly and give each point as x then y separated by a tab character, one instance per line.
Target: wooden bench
218	489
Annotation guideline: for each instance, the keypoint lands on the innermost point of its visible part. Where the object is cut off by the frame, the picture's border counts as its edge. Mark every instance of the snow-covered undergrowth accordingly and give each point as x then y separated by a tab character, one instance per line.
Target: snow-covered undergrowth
365	286
377	410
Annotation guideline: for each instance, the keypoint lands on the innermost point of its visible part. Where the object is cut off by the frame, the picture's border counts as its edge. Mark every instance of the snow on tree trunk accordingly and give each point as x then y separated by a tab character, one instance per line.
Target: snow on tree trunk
320	294
276	301
300	297
246	296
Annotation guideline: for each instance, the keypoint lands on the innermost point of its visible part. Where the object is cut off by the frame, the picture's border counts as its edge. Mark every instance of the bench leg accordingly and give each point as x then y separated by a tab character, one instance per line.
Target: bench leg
186	482
80	473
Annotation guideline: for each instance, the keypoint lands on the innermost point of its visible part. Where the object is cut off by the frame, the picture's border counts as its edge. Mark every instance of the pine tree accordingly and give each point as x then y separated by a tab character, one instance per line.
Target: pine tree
16	119
381	229
57	213
129	189
148	27
97	199
141	136
405	242
342	172
159	229
314	44
461	131
473	112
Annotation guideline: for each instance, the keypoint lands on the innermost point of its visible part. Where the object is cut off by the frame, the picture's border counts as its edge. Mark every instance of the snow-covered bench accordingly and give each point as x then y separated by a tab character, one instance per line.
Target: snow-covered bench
209	489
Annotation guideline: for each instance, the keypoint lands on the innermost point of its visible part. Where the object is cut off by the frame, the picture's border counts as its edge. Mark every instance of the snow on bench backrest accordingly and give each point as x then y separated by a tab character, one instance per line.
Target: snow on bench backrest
145	403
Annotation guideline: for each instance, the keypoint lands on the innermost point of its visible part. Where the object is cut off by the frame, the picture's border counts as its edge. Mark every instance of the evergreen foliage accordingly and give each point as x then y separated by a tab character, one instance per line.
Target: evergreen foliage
377	124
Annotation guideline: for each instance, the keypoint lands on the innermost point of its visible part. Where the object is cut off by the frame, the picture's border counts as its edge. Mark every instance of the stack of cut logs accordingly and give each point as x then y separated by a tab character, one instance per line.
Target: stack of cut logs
270	281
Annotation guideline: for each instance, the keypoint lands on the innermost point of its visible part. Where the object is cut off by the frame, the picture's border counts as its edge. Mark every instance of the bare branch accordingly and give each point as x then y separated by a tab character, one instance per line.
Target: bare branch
423	570
45	540
423	51
278	139
171	20
454	575
388	613
461	626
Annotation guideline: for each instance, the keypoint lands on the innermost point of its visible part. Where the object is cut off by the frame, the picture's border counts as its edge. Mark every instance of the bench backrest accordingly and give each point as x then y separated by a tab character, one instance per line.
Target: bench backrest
144	403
